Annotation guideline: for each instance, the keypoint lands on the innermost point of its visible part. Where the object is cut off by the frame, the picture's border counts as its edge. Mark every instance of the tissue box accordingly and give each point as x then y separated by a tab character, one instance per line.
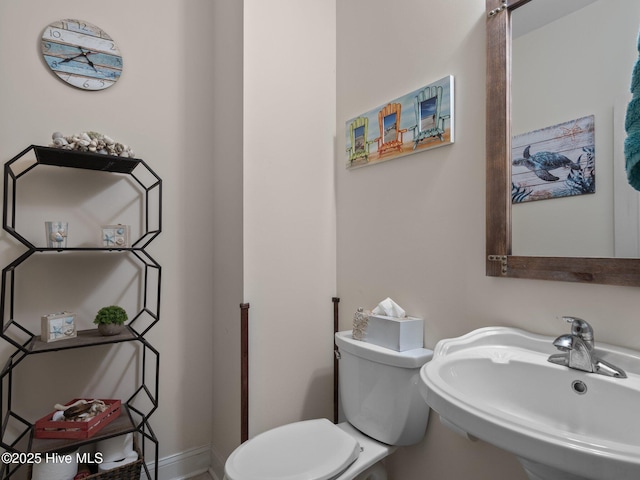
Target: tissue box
398	334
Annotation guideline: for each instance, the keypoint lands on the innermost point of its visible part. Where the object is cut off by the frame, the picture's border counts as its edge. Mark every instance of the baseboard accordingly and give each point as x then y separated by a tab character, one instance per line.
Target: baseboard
183	465
216	470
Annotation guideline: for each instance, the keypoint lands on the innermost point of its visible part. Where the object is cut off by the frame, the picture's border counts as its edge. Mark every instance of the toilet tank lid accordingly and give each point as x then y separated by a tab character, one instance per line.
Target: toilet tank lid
414	358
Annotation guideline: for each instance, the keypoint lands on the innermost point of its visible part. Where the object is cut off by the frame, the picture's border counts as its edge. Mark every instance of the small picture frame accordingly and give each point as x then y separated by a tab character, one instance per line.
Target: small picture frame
58	326
56	233
116	236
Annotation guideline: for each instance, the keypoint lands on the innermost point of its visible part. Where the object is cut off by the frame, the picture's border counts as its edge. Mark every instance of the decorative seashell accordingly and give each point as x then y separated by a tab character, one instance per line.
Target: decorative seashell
58	416
93	142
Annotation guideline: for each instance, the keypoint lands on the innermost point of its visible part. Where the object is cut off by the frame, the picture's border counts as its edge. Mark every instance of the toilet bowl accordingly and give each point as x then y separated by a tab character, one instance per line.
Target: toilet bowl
383	407
311	449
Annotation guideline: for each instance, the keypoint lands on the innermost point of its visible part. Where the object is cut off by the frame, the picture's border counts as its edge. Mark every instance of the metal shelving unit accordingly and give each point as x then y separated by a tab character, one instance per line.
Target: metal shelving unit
26	343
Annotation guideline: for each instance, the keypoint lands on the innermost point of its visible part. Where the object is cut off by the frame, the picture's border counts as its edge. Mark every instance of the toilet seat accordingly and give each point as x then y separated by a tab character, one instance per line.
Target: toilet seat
312	449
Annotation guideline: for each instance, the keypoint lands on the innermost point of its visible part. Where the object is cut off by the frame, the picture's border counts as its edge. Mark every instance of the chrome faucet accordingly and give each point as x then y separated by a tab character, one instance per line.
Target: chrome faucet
579	352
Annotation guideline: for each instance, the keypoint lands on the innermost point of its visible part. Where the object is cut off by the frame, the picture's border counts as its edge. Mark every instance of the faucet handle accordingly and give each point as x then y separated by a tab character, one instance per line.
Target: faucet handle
580	328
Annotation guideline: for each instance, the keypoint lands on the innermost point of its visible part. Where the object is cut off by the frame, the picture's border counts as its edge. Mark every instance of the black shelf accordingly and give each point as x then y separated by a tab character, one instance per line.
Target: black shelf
134	416
75	159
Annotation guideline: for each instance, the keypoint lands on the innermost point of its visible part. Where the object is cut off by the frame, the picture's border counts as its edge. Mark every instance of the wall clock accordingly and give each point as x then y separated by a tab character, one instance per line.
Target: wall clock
81	54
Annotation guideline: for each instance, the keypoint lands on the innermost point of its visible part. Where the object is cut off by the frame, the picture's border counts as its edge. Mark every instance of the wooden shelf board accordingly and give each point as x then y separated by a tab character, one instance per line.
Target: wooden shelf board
85	338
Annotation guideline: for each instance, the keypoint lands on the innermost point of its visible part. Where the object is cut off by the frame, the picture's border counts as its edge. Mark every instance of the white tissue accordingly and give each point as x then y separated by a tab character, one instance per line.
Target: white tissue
103	467
65	467
116	448
389	308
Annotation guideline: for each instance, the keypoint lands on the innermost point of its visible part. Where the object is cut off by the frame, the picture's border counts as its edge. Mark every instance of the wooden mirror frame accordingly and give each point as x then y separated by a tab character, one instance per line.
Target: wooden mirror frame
499	260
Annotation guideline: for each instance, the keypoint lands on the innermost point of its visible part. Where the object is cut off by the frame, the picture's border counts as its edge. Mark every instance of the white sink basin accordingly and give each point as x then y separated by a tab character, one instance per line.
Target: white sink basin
496	384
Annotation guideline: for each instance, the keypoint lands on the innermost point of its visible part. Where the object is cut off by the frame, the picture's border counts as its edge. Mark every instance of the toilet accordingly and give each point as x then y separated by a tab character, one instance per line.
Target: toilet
381	401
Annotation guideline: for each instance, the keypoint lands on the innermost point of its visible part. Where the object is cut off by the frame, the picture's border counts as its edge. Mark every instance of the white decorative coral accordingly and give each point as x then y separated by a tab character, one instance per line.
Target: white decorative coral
91	142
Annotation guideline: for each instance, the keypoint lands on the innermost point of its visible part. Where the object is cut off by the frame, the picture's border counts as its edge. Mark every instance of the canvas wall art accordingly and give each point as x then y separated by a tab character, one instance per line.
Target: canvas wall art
419	120
556	161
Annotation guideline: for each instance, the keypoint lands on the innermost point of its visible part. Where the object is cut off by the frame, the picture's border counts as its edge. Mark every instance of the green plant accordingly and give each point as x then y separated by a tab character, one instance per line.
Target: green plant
112	314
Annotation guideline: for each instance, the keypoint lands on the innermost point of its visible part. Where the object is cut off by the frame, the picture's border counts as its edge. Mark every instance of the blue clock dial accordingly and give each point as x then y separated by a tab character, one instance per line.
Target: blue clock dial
81	54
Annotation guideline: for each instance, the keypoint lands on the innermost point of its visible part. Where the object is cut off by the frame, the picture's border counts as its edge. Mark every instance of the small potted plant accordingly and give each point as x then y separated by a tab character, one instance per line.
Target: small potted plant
110	320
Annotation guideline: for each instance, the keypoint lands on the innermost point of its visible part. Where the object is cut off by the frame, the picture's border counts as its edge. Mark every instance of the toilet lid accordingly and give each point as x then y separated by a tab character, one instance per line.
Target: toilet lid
313	449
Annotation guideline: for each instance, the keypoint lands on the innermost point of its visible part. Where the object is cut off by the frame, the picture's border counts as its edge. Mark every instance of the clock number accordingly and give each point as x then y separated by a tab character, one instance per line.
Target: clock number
113	46
87	84
54	64
55	34
47	45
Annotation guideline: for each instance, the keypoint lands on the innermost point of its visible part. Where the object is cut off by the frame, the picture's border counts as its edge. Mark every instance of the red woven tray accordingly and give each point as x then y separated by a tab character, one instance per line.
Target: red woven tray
47	428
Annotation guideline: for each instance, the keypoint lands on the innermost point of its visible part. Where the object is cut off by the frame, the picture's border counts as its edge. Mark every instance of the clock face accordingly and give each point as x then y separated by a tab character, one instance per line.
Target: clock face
81	54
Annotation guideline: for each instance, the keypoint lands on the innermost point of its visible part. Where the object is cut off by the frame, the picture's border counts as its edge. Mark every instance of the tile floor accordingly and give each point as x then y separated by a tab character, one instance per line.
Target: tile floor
202	476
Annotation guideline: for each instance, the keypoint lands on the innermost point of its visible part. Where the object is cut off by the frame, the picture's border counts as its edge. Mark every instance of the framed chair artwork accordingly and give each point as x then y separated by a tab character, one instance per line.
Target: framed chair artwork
358	147
397	135
430	121
391	135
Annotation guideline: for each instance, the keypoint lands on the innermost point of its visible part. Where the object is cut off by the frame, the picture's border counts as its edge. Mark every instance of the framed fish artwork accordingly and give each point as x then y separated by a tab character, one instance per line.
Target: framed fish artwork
556	161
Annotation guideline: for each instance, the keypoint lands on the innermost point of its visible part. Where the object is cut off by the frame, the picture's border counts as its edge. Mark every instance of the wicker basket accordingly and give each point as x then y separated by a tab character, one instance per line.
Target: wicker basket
131	471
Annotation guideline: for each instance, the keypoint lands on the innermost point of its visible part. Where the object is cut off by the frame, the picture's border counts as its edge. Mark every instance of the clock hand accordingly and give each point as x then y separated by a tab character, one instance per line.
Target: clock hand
72	58
89	61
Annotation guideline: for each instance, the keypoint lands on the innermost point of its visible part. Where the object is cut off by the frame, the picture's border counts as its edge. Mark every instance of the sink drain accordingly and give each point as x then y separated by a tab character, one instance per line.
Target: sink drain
579	387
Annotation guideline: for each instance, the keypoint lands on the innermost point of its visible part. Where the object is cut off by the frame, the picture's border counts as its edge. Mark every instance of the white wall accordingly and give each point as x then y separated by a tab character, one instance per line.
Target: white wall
162	106
289	219
226	87
414	228
181	105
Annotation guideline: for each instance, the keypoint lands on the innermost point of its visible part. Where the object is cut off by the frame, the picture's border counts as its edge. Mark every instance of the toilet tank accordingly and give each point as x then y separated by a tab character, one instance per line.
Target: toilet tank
379	390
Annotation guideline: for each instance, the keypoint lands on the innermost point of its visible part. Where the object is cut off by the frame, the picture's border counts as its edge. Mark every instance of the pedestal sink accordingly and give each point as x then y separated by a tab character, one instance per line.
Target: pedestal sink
496	384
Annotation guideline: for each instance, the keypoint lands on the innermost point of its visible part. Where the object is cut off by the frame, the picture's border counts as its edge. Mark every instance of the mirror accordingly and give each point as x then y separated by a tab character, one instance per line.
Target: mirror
562	105
509	259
